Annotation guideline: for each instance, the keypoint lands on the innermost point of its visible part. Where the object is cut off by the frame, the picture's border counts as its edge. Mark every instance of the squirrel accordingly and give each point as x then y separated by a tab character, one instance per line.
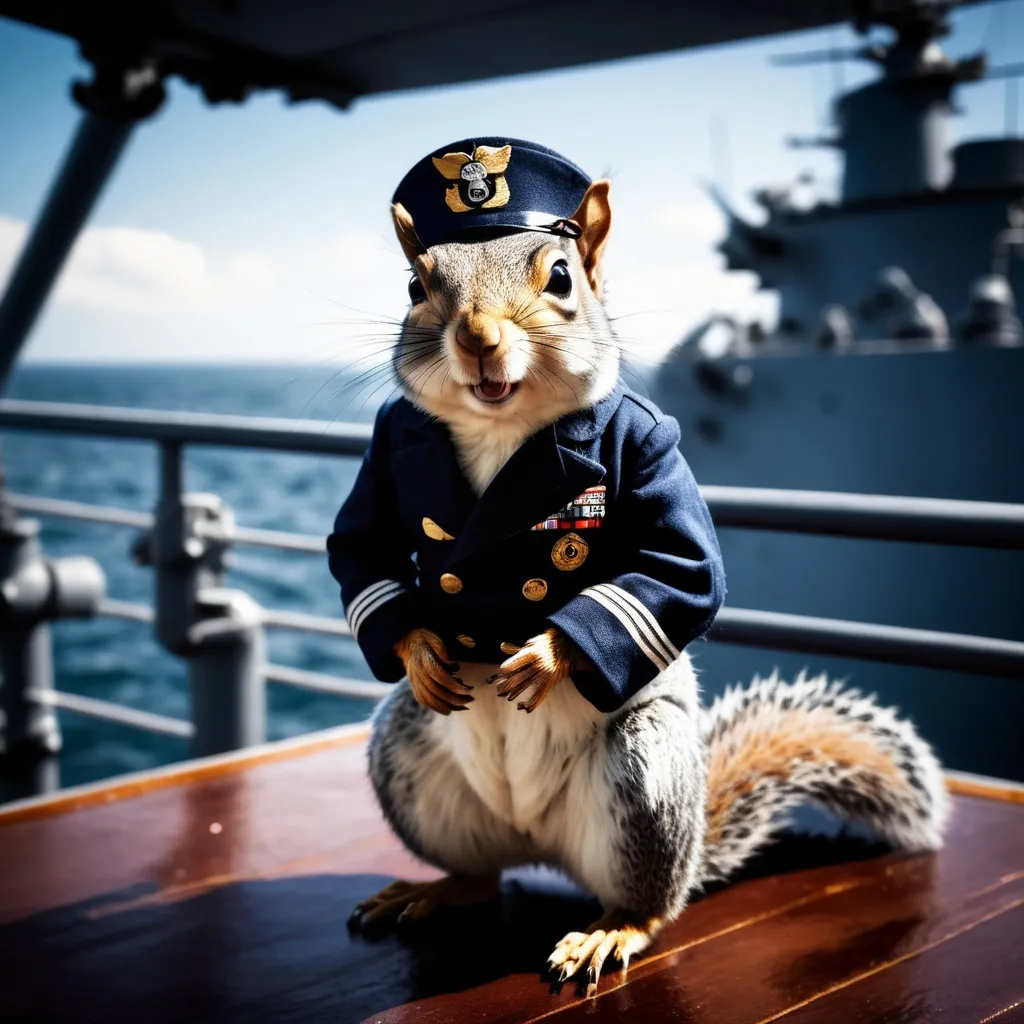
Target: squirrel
526	554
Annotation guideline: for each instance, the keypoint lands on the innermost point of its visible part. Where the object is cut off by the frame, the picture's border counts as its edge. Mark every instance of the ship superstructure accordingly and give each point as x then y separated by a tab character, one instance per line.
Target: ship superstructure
918	245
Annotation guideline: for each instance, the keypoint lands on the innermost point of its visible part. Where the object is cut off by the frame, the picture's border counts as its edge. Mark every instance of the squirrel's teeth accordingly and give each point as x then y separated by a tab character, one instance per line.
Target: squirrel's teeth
492	390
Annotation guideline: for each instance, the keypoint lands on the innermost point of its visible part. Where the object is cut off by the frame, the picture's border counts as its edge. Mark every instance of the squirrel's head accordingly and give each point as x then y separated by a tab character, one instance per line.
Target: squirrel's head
509	327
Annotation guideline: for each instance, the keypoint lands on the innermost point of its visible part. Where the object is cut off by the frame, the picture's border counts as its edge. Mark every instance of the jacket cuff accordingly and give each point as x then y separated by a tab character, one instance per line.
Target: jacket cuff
620	667
379	617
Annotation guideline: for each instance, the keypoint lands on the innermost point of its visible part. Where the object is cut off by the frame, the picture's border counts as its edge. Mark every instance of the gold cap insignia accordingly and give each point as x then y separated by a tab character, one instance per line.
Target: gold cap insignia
569	552
479	179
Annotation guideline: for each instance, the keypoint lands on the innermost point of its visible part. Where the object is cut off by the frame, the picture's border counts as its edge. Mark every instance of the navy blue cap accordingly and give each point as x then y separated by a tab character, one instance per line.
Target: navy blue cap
492	183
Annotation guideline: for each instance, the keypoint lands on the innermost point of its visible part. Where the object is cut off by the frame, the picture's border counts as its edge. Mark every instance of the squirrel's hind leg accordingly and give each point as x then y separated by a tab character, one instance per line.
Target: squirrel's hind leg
639	810
429	803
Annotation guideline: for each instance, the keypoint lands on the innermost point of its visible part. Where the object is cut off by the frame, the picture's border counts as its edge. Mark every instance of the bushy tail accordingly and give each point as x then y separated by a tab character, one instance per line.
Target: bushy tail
773	745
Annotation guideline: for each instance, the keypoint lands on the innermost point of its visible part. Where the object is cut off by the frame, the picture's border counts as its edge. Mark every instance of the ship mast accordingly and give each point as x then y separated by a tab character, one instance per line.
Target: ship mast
894	132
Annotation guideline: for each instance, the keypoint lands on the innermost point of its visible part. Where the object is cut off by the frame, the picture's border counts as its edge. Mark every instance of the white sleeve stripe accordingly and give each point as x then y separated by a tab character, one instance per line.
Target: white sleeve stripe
357	615
367	606
362	597
638	621
366	596
609	605
645	613
387	595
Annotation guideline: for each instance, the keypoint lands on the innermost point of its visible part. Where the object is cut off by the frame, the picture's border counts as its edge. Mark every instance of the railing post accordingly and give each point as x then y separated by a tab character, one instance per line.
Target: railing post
219	631
33	591
226	681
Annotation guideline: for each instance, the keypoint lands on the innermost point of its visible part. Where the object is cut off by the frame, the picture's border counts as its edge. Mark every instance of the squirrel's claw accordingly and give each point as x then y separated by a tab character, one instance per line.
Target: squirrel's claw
431	675
541	663
615	935
412	901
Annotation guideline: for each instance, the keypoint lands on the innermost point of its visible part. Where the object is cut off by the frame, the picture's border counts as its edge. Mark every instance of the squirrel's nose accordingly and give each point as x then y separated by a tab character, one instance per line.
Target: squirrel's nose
477	333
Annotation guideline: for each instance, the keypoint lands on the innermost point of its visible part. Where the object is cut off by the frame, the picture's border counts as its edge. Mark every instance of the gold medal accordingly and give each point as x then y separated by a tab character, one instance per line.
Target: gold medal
569	552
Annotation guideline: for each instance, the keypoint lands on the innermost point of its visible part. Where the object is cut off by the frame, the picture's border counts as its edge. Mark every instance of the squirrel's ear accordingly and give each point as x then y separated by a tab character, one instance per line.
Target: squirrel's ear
406	231
594	217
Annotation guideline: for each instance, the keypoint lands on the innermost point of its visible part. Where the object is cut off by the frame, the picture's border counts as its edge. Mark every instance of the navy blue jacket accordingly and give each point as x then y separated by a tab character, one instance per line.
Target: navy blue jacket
595	525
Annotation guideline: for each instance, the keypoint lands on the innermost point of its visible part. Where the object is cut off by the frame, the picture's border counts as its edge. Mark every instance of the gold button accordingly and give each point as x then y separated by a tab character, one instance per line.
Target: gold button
507	648
569	552
466	641
434	532
535	590
450	583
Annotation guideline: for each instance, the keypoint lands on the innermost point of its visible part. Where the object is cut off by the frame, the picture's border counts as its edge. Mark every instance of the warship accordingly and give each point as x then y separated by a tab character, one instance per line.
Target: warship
871	439
896	367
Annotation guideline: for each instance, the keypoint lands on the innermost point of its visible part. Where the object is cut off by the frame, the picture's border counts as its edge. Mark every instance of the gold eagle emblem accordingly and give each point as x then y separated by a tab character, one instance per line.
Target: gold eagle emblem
479	179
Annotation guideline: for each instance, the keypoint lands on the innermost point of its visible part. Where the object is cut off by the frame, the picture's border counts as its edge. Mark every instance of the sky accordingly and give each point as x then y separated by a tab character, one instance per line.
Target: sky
261	232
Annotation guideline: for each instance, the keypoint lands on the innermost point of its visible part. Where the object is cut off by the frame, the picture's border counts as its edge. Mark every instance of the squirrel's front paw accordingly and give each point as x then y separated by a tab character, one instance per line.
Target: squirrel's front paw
544	660
431	674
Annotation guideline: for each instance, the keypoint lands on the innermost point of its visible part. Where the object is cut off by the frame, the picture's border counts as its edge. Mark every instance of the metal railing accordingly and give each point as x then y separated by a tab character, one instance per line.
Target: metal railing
979	524
220	632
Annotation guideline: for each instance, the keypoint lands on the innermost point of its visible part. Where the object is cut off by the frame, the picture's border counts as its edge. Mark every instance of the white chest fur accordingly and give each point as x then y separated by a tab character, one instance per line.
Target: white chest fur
484	450
520	764
547	775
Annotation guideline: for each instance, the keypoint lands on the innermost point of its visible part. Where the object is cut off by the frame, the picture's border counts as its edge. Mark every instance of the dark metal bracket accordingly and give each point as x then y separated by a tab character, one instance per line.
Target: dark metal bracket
120	95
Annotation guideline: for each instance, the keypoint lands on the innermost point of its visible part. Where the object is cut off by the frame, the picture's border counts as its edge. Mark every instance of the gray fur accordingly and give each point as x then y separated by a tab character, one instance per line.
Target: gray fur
655	765
909	813
649	809
637	788
426	799
565	358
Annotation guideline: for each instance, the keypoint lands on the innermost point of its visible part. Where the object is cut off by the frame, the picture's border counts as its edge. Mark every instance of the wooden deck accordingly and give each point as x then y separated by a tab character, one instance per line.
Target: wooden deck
219	891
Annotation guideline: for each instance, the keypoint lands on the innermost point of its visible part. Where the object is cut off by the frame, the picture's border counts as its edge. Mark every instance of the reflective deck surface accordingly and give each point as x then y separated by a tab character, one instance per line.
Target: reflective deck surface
220	891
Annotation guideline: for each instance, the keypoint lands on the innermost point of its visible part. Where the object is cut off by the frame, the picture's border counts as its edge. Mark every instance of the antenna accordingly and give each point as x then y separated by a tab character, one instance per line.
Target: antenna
832	55
838	78
1005	71
721	164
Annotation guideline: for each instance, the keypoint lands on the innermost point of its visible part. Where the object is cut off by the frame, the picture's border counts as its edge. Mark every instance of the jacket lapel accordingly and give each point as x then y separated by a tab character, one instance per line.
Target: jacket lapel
542	476
427	472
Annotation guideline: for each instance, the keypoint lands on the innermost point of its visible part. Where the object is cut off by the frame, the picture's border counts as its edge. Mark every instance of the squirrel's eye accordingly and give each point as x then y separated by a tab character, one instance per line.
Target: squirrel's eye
417	293
560	281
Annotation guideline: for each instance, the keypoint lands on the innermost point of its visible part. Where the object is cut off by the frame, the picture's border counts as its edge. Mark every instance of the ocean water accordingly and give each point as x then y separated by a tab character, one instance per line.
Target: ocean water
969	719
120	661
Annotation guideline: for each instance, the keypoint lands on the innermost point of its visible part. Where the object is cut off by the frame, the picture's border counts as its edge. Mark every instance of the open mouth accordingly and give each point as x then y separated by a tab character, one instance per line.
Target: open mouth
493	392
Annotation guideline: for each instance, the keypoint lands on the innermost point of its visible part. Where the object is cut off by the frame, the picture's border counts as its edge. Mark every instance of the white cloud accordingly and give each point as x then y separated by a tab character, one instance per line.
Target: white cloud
696	223
129	293
362	254
345	297
657	301
130	269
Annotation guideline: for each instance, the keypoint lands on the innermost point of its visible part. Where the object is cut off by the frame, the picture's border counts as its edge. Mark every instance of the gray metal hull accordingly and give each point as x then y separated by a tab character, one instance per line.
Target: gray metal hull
931	424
